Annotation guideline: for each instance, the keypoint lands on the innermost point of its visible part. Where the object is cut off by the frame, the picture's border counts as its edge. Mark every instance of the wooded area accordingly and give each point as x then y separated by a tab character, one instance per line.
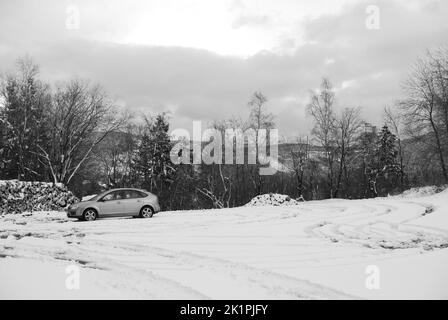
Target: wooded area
73	134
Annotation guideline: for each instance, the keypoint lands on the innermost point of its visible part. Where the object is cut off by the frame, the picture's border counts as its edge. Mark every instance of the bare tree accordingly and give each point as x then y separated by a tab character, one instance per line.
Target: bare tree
220	197
115	154
321	108
347	128
395	122
300	159
438	62
219	188
259	119
81	116
422	108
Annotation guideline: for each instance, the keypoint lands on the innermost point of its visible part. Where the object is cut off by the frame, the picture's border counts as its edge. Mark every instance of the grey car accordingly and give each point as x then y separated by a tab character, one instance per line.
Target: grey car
116	203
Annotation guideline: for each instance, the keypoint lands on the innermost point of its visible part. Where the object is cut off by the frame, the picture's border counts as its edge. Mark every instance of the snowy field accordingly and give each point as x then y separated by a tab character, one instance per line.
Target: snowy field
314	250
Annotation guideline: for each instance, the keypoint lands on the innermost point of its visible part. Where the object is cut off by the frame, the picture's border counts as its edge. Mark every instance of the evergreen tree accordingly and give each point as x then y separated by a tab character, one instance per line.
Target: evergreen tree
387	151
383	168
387	157
26	100
367	146
153	164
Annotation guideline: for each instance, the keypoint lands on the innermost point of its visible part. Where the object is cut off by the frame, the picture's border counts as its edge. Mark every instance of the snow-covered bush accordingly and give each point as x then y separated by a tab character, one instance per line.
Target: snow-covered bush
272	199
423	191
20	196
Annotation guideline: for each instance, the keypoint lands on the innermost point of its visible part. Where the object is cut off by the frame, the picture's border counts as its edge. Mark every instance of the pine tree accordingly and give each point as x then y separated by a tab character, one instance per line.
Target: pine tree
367	145
383	168
387	157
26	100
387	151
153	162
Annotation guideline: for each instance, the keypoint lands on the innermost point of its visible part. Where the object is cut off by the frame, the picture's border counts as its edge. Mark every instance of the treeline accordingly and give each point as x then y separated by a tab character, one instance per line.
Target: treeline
357	160
73	133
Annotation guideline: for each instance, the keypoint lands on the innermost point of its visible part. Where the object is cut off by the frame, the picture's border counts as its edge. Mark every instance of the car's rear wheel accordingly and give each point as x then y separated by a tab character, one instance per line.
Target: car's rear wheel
90	215
146	212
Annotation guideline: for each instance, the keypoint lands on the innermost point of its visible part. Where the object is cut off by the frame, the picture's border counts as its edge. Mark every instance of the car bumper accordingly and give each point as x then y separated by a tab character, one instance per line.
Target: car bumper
73	213
156	208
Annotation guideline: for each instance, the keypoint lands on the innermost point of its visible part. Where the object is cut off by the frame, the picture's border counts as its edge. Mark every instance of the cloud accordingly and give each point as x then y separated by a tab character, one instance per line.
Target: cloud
365	66
251	20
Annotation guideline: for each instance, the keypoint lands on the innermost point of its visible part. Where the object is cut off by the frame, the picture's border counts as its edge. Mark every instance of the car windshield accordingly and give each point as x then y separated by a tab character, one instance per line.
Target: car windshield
98	196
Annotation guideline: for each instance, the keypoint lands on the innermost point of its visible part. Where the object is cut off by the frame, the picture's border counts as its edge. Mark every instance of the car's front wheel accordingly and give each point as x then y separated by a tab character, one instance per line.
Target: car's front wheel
146	212
89	215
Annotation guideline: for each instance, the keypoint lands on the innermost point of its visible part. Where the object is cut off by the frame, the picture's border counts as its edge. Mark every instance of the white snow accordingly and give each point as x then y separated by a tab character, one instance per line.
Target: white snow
313	250
422	191
272	199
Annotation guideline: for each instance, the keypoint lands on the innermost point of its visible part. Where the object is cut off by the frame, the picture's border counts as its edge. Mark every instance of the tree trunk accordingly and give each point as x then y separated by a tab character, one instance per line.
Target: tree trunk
440	151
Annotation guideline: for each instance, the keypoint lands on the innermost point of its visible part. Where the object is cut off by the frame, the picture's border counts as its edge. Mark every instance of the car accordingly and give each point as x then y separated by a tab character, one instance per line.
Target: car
116	203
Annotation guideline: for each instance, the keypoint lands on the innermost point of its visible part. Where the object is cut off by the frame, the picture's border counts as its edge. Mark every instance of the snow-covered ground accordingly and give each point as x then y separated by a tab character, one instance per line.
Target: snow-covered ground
317	249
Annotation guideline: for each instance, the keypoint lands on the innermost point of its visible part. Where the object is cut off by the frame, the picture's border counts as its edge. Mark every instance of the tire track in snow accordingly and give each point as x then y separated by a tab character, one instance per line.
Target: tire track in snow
192	253
254	281
381	233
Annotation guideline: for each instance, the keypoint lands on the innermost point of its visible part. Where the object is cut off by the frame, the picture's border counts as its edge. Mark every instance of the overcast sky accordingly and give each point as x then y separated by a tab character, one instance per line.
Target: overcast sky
202	59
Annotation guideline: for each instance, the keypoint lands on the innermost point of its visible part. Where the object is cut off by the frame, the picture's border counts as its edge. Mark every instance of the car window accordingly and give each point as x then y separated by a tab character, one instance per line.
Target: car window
132	194
119	195
141	194
109	196
123	194
128	194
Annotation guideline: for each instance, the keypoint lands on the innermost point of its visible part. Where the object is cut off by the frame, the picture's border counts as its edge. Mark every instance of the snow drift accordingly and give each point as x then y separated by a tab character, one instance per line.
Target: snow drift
423	191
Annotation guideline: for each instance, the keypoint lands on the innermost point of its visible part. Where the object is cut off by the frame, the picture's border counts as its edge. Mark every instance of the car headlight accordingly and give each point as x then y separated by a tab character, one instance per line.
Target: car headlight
74	206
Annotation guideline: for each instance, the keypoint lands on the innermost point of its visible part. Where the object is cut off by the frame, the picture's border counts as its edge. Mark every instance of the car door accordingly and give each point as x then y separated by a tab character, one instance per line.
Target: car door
110	204
131	203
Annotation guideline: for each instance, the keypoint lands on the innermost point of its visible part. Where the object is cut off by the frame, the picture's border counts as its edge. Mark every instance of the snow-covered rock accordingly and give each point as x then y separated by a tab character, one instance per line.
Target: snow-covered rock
272	199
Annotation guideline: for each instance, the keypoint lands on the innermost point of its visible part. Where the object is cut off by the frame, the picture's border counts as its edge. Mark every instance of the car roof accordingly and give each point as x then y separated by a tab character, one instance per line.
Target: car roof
120	189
